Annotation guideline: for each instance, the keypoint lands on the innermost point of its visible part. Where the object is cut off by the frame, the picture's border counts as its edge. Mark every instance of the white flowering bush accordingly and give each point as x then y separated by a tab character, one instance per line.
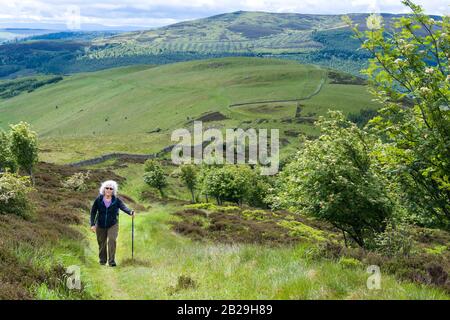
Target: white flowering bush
409	75
77	181
13	194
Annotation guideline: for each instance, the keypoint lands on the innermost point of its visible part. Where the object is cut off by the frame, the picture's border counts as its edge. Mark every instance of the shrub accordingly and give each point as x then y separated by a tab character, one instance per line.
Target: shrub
234	183
395	240
350	263
203	205
259	188
189	177
24	146
336	179
220	183
254	214
7	161
154	175
77	181
212	207
298	229
13	194
436	250
227	208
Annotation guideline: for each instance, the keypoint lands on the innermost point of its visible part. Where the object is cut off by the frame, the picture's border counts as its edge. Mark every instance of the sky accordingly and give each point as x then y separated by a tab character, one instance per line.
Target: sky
143	14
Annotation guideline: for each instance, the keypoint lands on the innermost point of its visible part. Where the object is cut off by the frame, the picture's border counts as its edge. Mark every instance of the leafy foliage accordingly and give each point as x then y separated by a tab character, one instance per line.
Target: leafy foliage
155	176
13	194
395	240
24	146
362	117
224	184
335	179
189	177
77	181
413	63
234	183
7	161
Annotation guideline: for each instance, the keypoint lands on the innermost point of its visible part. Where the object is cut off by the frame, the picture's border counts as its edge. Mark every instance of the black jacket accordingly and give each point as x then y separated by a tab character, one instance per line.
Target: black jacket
107	217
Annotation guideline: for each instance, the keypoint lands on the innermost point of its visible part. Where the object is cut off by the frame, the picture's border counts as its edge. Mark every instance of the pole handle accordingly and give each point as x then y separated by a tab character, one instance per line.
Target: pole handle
132	237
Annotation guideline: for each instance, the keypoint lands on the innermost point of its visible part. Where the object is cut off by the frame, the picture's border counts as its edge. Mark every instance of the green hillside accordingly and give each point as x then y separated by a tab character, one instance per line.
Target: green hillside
240	31
317	39
309	38
148	102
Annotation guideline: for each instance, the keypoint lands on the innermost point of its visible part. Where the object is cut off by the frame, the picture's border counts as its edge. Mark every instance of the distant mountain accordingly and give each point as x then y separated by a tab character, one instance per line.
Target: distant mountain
317	39
8	34
72	35
308	38
241	31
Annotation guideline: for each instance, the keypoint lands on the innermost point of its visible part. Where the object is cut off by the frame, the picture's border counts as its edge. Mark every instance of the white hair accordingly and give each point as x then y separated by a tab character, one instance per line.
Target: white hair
111	184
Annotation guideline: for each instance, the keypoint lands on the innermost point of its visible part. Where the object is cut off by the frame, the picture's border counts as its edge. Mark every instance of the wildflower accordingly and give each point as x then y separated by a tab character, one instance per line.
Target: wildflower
425	90
374	22
429	70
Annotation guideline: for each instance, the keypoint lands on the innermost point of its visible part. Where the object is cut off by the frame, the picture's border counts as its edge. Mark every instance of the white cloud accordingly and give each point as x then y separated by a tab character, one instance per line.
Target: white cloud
153	13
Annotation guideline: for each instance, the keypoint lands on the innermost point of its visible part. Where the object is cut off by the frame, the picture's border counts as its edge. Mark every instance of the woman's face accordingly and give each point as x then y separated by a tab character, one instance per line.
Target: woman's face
109	190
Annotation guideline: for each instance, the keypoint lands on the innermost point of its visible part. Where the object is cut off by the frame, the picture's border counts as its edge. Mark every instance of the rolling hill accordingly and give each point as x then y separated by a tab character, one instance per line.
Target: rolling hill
241	31
135	109
316	39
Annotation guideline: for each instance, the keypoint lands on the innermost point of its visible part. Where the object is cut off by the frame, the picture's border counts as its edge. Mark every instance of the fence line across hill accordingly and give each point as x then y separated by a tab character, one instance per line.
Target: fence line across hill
122	155
117	155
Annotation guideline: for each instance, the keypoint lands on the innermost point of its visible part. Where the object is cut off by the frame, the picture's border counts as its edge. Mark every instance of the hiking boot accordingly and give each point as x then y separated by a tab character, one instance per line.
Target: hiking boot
102	263
112	264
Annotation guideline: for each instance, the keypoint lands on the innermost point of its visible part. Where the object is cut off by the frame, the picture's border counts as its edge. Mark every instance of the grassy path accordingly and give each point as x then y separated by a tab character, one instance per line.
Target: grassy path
169	266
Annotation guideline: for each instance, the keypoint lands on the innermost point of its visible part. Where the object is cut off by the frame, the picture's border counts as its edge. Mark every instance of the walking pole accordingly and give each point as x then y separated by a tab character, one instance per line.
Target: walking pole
132	236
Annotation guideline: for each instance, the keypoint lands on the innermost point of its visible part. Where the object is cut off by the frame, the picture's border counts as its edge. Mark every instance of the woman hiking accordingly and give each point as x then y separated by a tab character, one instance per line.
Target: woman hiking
105	220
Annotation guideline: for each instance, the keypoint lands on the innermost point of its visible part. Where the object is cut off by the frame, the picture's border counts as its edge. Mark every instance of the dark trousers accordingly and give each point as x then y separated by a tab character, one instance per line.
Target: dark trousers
106	238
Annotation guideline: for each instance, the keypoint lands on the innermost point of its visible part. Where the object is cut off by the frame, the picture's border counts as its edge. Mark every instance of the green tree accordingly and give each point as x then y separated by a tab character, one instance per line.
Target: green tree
7	161
334	178
189	177
226	183
258	188
23	144
409	74
154	175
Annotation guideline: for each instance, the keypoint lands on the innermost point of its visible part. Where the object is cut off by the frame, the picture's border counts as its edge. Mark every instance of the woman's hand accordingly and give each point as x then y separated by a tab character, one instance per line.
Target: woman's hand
133	214
93	228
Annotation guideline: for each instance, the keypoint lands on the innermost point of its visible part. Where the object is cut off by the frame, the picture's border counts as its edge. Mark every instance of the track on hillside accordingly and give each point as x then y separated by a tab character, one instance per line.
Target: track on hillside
105	157
316	92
